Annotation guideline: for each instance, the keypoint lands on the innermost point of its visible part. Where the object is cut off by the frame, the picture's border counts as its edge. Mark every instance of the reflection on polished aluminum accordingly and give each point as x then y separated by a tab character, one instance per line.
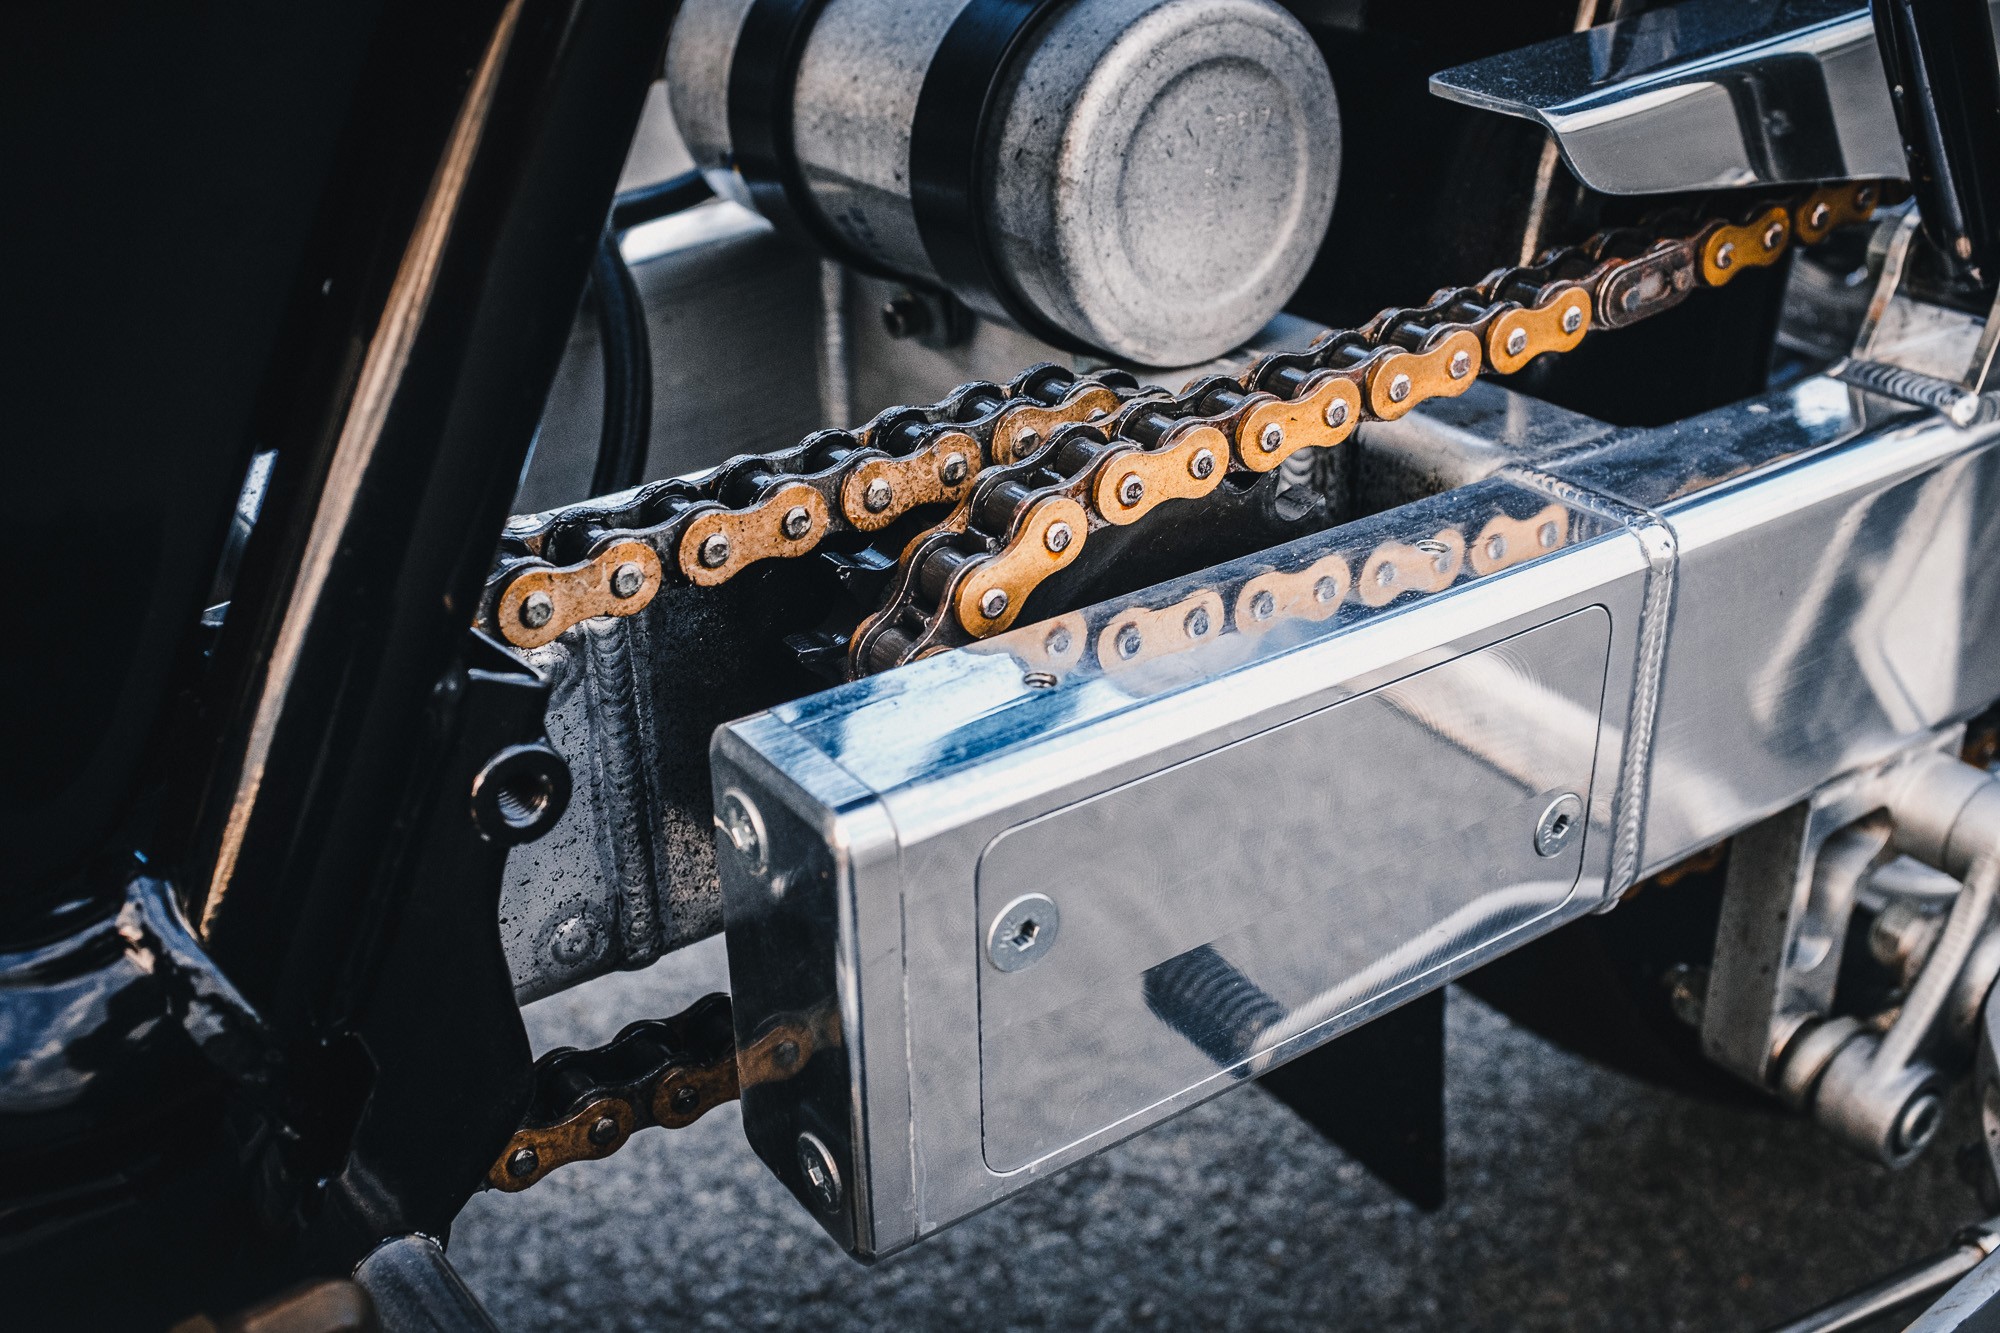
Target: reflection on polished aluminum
1703	95
1324	800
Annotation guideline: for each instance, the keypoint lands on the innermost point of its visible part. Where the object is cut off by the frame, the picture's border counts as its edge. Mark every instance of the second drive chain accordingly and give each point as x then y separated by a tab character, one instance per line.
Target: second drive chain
1029	470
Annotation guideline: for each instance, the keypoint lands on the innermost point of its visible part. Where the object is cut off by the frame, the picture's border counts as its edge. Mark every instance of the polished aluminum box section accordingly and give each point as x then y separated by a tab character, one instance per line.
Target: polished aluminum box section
1268	802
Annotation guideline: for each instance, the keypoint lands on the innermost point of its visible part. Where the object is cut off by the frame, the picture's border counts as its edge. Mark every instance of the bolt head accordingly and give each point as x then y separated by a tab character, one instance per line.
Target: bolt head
1271	437
603	1130
1197	623
1461	365
1057	643
1058	538
1399	388
797	522
1385	573
1546	535
1561	821
1263	606
1130	641
1023	932
522	1162
576	940
627	579
1864	198
877	494
1573	319
993	603
954	469
744	828
1725	255
537	609
1819	216
904	316
1517	342
1496	547
822	1178
1917	1123
715	550
1202	466
1131	490
1326	589
1336	413
1774	235
684	1100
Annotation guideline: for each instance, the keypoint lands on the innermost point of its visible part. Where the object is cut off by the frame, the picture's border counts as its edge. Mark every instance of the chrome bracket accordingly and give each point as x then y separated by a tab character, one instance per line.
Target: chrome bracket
1918	353
1794	882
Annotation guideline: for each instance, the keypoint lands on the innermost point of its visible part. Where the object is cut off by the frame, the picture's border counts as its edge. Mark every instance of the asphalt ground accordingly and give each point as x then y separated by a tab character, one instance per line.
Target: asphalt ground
1580	1199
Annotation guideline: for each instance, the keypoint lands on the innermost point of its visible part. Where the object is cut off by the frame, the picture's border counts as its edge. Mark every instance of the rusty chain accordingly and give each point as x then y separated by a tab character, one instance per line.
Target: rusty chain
670	1072
1032	468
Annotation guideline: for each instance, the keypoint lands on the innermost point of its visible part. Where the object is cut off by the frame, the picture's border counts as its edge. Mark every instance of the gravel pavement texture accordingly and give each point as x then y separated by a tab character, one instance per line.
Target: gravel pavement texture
1580	1199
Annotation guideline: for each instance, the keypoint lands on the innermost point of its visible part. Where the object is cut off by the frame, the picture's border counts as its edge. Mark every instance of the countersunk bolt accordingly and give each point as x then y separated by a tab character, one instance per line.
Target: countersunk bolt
1131	490
993	603
1271	437
797	522
1202	466
1774	235
1023	932
1057	538
1573	319
744	828
1726	255
603	1130
1517	342
627	579
537	609
715	550
1399	388
1461	365
1819	216
1130	641
822	1178
954	469
1559	824
877	494
1196	623
522	1162
1336	413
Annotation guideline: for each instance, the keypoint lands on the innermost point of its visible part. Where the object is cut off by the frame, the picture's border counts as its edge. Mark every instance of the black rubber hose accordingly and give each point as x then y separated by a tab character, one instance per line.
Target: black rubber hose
628	372
659	199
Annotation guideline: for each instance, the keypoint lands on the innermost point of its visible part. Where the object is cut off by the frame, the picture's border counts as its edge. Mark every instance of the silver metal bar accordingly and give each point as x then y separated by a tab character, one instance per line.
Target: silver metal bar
1335	808
1900	1291
1703	95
